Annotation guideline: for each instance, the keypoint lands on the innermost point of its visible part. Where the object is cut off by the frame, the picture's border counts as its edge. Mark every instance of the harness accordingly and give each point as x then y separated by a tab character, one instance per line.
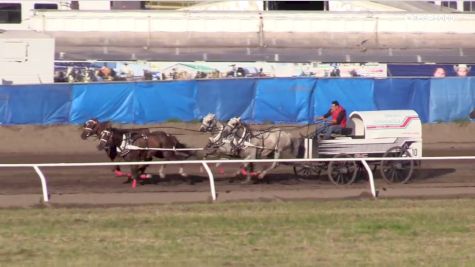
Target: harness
245	141
91	129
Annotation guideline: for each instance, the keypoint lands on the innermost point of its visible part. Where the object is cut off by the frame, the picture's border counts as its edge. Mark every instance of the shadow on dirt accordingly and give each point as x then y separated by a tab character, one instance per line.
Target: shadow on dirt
428	174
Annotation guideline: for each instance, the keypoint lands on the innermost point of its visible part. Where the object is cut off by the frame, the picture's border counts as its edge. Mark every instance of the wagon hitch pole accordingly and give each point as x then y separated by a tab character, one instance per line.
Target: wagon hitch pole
370	177
43	183
211	180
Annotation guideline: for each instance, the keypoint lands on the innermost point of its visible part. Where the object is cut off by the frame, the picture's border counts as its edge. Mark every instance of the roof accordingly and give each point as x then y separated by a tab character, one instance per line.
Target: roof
387	123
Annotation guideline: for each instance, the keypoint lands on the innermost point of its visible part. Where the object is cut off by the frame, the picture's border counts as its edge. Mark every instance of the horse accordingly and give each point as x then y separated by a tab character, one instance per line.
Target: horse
134	146
249	144
218	143
94	128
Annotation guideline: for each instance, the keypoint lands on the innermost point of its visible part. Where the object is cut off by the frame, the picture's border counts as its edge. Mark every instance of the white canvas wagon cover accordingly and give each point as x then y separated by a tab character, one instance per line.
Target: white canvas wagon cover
386	123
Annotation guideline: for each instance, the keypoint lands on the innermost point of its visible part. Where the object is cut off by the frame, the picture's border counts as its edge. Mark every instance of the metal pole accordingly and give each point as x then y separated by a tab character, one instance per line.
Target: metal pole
370	177
43	183
211	181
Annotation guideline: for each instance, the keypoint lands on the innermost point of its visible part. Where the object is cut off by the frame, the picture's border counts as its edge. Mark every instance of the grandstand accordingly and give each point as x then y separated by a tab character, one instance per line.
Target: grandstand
394	32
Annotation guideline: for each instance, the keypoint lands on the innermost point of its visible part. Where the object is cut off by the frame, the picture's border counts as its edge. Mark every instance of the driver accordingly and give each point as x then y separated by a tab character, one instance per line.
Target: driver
337	122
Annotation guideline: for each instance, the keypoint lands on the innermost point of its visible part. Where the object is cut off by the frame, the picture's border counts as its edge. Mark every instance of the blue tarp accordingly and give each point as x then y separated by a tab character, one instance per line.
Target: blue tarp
451	99
111	101
403	94
35	104
281	100
154	102
353	94
225	98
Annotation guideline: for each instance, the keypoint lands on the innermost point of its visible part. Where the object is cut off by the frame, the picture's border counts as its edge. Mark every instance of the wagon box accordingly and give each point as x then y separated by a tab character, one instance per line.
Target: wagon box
373	133
384	133
386	123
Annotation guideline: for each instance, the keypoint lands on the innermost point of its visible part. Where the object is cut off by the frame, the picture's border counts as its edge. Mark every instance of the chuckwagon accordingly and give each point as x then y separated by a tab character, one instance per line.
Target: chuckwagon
382	134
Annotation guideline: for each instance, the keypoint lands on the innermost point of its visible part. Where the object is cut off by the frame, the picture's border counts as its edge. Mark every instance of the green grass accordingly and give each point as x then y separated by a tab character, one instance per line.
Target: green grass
305	233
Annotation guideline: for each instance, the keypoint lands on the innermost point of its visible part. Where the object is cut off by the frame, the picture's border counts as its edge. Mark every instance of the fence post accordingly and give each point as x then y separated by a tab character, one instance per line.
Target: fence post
43	183
370	177
211	180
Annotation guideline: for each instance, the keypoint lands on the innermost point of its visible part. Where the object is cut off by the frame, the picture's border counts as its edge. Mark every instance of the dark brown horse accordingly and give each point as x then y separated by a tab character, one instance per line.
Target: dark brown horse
94	127
135	146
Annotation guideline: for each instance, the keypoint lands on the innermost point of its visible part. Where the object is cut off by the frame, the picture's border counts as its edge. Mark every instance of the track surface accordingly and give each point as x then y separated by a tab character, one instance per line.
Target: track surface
73	186
99	185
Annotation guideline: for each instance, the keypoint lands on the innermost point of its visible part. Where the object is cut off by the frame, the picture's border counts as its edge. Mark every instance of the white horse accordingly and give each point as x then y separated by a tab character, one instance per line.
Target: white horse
249	144
218	143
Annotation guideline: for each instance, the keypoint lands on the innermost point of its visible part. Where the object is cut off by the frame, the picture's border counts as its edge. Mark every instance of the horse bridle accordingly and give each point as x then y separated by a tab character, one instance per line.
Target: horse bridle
211	127
90	127
242	139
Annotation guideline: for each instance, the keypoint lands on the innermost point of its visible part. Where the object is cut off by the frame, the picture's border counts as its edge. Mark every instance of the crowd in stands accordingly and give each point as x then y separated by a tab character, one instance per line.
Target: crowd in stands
462	70
126	73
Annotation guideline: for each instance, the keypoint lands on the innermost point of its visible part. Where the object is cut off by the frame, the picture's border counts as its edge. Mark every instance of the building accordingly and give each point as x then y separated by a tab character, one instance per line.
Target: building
268	31
26	58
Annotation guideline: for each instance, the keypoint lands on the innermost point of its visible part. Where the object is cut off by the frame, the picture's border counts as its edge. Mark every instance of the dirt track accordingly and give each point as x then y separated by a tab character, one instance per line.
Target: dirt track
98	185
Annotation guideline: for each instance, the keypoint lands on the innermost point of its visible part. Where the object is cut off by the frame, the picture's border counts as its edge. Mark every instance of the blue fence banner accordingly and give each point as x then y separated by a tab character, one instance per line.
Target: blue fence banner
404	93
158	102
451	99
35	104
352	94
108	101
278	100
283	100
225	98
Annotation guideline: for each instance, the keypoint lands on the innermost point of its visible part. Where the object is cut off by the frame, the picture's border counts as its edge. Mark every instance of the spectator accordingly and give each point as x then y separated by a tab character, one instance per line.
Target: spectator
354	73
337	122
462	70
126	72
60	77
174	74
233	72
335	72
439	73
261	73
105	73
147	75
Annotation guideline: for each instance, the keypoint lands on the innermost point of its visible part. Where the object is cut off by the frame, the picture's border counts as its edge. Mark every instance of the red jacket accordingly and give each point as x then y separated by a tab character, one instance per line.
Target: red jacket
338	115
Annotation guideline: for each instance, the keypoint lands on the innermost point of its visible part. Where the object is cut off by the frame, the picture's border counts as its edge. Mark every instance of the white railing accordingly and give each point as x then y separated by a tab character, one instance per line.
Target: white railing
205	163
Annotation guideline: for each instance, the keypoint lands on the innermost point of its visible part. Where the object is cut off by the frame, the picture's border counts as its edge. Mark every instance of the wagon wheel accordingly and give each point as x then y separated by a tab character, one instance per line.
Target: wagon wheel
342	172
306	170
397	171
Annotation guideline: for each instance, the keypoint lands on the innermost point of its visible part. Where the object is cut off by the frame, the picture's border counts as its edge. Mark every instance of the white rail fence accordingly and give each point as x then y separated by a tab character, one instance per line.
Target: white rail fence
205	163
